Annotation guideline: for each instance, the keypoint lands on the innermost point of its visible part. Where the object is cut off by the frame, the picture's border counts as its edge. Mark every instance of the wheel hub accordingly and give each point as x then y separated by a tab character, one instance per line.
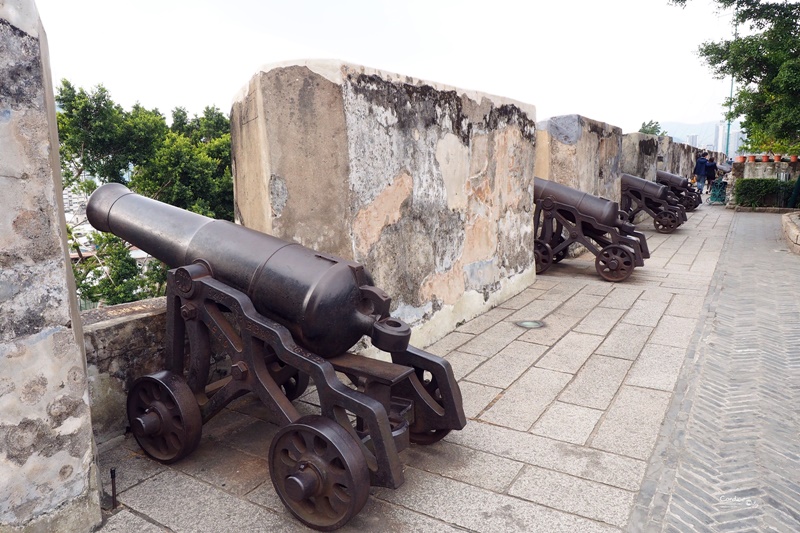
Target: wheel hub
148	424
304	483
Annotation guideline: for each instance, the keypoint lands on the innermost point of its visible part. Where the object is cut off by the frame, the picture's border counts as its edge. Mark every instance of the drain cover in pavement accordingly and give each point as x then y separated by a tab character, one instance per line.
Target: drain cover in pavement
530	324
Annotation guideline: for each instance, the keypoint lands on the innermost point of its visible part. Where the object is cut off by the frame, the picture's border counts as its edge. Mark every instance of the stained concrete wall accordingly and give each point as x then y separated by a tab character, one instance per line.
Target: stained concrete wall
47	460
429	186
581	153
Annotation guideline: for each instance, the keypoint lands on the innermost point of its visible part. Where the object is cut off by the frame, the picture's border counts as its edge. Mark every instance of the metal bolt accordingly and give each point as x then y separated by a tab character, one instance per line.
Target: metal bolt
239	370
189	312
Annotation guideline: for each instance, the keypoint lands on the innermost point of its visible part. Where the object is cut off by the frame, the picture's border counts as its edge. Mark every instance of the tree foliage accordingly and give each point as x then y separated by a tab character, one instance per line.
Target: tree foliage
187	164
766	67
652	128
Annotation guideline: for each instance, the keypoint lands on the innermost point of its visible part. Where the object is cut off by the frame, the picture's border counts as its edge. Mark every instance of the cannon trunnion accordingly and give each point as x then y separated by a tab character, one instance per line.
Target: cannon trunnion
658	201
565	215
280	315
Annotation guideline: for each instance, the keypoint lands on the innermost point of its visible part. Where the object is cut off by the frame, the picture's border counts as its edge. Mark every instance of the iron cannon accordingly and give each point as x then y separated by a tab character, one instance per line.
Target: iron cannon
687	194
640	195
278	315
564	216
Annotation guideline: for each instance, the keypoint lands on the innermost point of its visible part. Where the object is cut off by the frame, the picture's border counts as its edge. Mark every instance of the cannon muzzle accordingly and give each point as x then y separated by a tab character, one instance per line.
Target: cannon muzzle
327	303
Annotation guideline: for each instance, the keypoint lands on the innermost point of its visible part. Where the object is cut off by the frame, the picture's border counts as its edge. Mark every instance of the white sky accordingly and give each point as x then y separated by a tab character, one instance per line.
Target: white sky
623	62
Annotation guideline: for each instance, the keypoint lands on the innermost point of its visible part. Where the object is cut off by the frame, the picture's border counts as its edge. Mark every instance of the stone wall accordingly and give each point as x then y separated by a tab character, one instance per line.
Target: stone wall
47	459
123	343
581	153
430	187
640	155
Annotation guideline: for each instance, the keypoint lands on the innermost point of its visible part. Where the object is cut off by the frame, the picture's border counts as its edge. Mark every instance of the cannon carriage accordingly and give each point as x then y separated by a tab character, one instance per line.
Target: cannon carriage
564	216
282	315
658	201
688	196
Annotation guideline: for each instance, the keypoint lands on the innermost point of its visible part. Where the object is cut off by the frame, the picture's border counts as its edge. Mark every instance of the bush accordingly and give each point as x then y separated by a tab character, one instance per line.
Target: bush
763	192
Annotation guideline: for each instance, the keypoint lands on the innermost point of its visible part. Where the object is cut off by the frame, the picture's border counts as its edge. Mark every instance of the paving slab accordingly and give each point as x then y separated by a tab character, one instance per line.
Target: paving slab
449	342
494	339
674	331
567	422
523	402
657	367
482	510
645	313
483	322
597	382
464	363
124	522
569	354
569	493
504	368
580	461
632	422
625	341
555	327
464	464
599	321
155	497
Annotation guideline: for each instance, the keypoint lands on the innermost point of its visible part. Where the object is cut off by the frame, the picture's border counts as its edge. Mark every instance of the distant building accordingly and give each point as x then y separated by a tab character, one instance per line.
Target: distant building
691	140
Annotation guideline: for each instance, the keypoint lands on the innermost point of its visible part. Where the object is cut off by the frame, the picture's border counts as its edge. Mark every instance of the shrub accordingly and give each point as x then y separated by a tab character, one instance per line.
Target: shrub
768	192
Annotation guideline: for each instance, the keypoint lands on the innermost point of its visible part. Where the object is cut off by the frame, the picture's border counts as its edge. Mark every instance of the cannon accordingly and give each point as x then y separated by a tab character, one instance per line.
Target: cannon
640	195
564	215
280	315
687	194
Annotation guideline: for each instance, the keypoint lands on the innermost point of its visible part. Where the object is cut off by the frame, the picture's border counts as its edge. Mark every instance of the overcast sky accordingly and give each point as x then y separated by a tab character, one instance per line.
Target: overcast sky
623	62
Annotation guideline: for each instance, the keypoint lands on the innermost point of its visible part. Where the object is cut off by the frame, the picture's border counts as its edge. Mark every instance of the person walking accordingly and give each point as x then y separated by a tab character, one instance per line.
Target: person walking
711	172
700	171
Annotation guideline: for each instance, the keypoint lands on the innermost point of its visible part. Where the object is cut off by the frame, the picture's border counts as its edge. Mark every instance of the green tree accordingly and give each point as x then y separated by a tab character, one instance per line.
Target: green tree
652	128
765	65
187	164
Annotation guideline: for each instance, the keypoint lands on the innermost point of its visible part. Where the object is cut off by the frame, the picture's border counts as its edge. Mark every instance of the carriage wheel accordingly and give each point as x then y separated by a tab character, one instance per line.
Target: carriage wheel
688	203
615	263
292	382
665	222
543	255
319	472
164	416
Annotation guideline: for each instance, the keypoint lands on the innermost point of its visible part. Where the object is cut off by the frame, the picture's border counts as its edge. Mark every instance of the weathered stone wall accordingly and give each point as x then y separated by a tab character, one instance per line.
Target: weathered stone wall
123	342
581	153
430	187
640	155
47	456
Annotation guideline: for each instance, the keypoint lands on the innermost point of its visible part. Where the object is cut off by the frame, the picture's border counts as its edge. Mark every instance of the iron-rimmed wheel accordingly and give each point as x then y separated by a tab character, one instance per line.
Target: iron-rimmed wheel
543	255
665	222
688	203
319	472
615	262
164	416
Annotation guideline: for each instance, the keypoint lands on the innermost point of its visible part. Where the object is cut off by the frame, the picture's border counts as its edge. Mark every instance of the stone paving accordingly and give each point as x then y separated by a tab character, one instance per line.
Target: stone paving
563	420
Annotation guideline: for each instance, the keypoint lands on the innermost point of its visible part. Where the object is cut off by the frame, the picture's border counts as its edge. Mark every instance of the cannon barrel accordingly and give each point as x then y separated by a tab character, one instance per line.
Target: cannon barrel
601	209
672	179
326	302
647	187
